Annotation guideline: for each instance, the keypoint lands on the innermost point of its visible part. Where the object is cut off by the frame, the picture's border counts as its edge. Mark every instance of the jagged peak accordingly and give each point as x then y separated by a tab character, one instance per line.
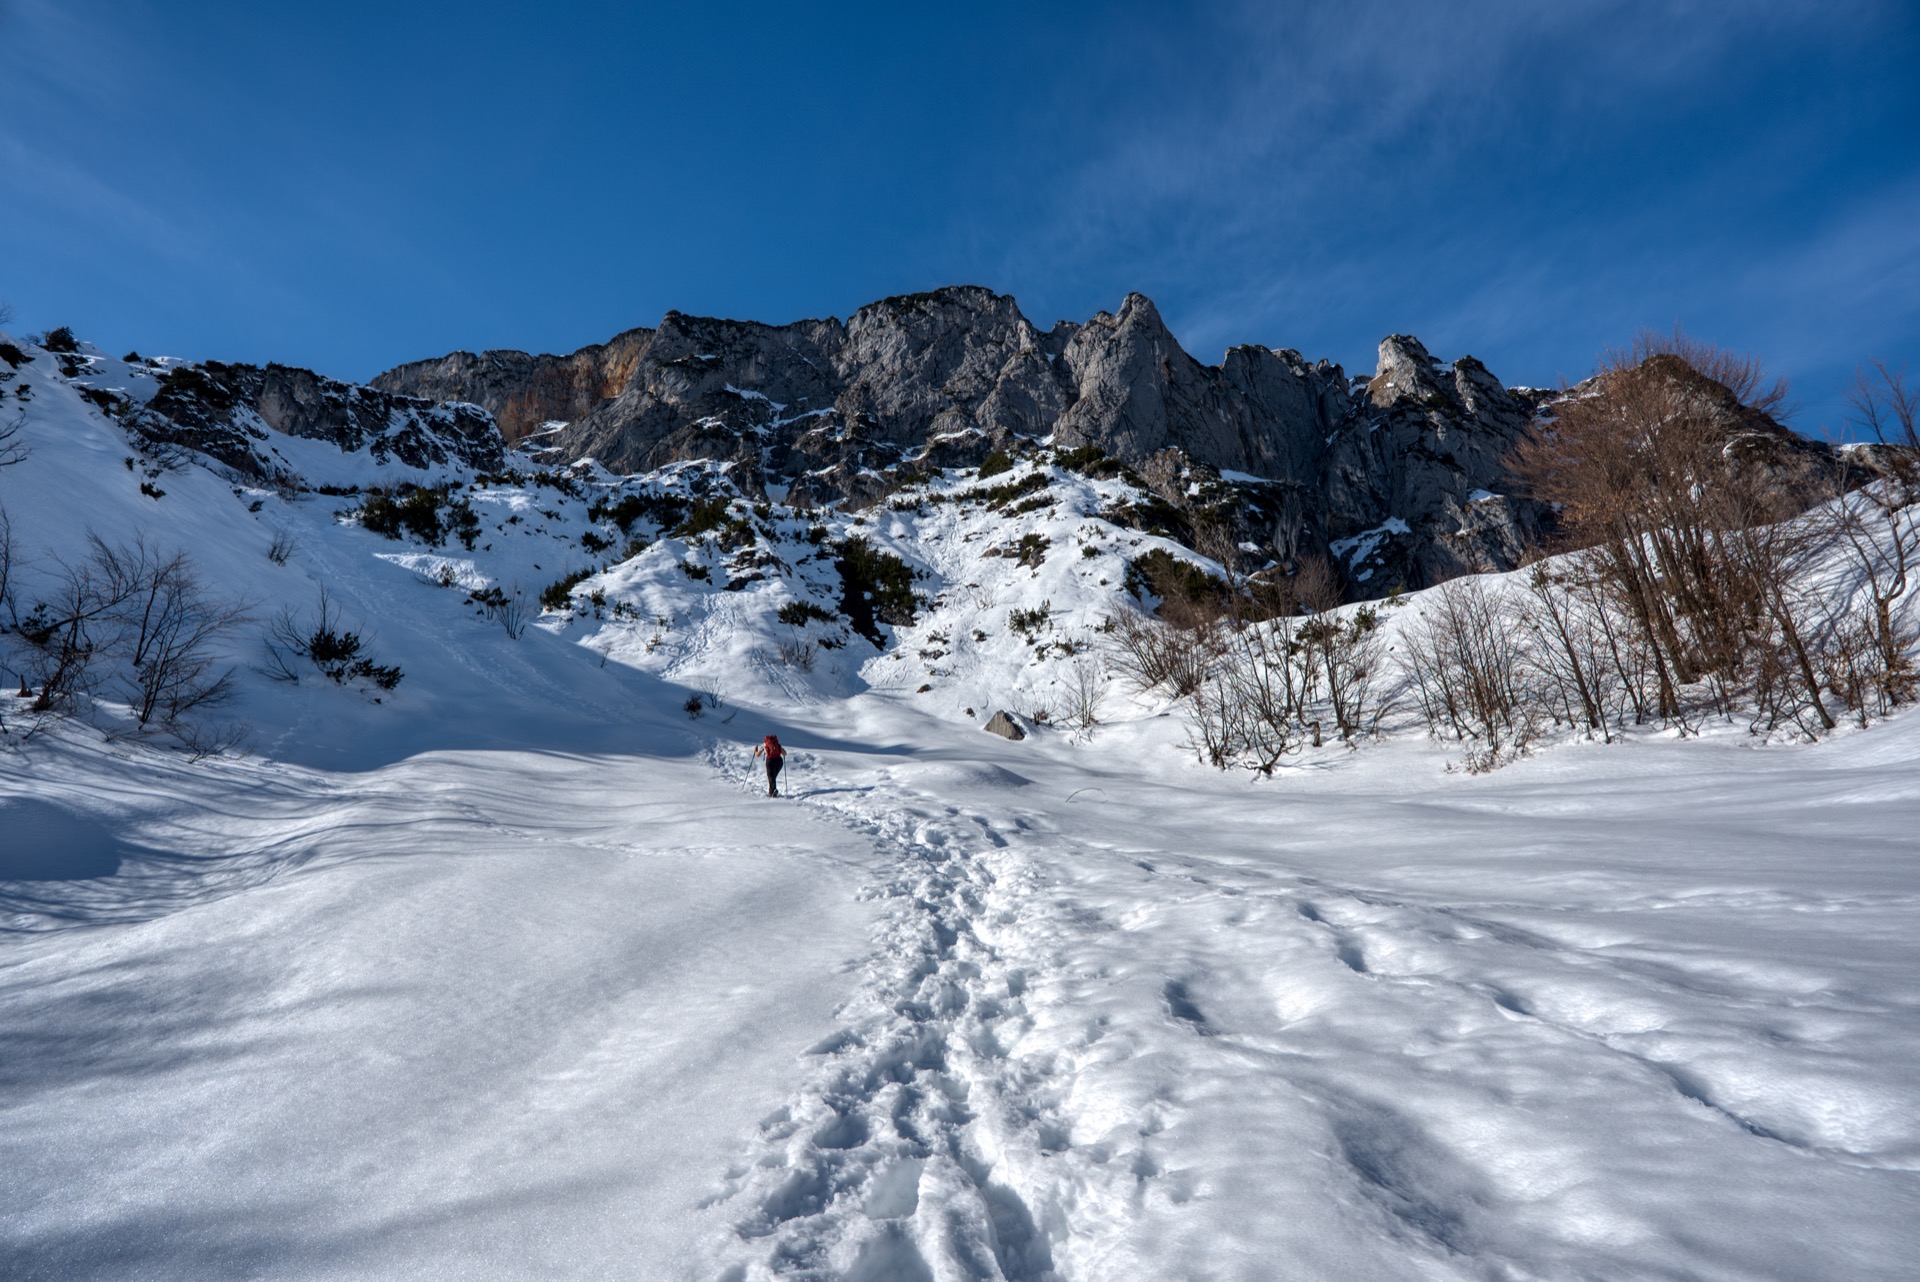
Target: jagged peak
1406	371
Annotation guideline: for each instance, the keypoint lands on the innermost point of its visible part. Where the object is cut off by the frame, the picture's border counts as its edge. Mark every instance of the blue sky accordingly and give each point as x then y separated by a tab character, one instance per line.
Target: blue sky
350	185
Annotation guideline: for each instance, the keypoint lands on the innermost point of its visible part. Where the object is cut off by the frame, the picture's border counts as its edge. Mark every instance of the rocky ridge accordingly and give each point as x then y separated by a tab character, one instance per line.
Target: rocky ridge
234	413
1399	475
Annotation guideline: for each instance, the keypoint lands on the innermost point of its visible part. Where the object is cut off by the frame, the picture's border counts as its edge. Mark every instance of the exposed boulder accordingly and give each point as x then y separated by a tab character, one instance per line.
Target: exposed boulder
1003	724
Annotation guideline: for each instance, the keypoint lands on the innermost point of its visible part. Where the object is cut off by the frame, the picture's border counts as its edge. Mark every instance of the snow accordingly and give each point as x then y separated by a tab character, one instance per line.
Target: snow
517	972
1360	548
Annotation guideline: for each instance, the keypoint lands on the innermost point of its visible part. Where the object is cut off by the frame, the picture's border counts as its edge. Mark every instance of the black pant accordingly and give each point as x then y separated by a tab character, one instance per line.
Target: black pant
773	773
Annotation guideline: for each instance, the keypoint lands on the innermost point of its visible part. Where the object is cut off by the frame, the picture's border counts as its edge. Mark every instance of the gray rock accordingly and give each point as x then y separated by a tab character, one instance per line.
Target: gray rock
523	392
1003	724
231	413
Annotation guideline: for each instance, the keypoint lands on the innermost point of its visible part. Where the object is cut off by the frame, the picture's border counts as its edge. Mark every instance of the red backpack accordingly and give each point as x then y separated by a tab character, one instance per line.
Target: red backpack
773	748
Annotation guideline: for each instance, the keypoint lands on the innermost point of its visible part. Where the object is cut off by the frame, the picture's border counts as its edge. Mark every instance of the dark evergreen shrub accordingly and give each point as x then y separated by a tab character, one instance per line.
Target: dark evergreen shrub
875	587
797	613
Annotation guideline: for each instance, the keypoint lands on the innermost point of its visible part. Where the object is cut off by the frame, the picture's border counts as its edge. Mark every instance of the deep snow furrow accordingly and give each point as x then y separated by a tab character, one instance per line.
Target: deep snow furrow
884	1163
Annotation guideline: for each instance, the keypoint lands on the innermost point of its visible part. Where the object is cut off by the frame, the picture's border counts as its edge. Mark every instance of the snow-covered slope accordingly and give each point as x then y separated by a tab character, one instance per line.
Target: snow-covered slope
512	970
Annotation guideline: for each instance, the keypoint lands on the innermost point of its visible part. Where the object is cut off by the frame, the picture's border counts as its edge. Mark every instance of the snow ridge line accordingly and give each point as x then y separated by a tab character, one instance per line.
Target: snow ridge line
899	1155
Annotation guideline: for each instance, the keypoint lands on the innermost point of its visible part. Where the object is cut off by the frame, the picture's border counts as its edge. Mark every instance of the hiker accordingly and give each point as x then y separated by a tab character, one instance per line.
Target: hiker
776	757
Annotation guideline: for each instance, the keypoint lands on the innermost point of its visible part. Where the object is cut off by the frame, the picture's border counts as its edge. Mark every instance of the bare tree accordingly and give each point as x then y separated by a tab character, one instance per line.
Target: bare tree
172	623
13	448
1686	532
1884	405
68	633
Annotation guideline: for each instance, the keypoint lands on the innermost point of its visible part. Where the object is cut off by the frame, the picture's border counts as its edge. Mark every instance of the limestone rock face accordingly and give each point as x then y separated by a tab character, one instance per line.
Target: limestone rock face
933	365
1416	486
522	392
233	413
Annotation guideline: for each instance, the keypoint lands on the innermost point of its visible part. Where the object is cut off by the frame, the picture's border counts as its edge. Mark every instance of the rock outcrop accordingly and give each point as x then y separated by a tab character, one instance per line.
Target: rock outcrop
234	413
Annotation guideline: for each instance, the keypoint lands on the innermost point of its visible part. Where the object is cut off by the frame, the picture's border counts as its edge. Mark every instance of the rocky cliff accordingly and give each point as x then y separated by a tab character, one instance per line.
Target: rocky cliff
1398	475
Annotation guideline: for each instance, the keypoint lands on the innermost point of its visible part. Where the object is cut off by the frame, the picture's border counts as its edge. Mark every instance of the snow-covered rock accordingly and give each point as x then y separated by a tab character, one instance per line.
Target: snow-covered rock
256	421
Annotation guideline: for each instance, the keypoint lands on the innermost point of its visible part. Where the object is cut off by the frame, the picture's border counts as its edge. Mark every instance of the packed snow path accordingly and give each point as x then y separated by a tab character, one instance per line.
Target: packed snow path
966	1010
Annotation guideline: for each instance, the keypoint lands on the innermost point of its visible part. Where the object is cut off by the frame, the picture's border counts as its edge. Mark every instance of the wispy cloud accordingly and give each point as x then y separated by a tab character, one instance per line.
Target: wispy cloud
71	68
1337	160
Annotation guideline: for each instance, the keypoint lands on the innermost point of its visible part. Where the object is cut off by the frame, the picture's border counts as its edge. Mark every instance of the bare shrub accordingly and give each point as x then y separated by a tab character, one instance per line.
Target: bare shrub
13	449
281	550
321	642
9	614
1158	655
1345	651
133	614
1267	687
10	560
1215	729
1250	705
1466	665
68	634
508	607
172	624
799	651
1868	647
1588	669
1086	690
513	612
